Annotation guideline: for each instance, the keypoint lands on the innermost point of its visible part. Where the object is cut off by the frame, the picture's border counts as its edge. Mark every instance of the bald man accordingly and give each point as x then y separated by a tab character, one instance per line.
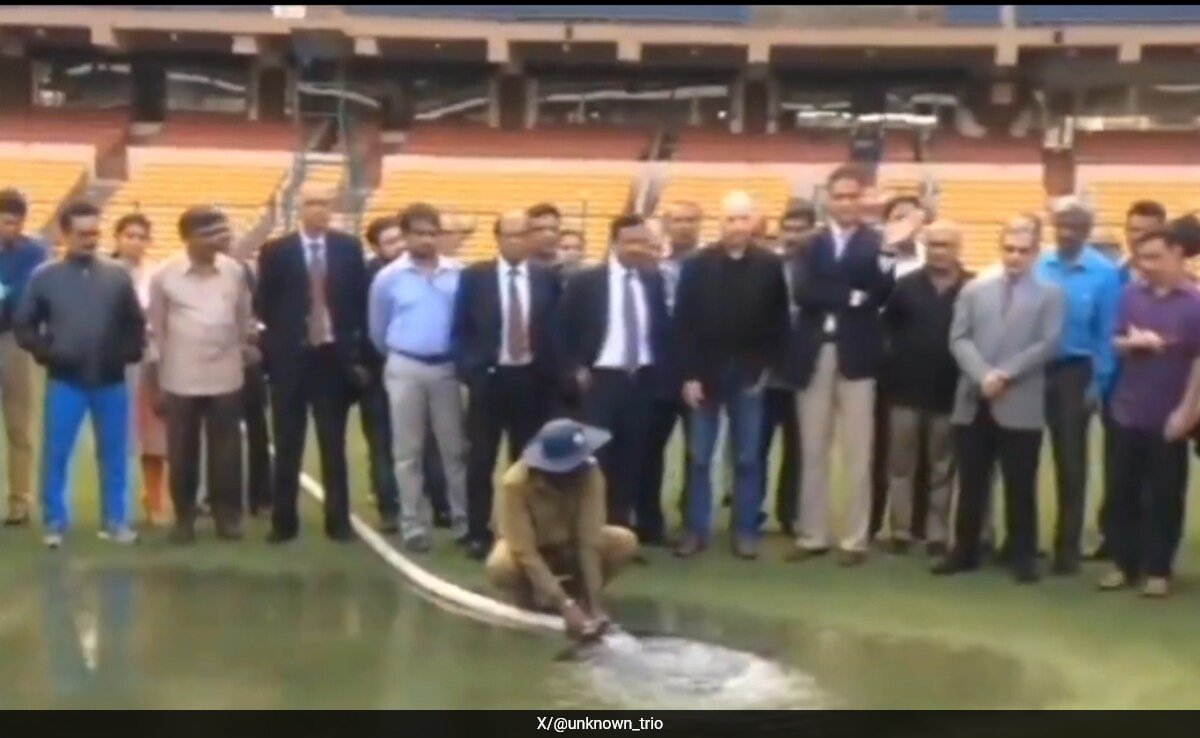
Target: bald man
922	378
312	286
501	343
731	326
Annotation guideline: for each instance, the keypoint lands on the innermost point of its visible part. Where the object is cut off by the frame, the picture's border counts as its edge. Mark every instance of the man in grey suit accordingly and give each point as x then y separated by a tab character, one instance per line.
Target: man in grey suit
1006	330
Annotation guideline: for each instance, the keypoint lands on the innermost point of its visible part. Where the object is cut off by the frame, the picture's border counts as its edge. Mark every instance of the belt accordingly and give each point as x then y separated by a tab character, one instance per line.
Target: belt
433	360
1067	361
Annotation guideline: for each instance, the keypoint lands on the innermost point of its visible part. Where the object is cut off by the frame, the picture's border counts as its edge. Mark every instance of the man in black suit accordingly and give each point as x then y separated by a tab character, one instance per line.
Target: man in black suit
501	341
386	242
311	299
845	278
780	411
613	337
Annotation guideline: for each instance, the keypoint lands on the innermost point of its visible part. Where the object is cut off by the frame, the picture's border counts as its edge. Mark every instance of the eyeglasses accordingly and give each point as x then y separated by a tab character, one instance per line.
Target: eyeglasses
1018	250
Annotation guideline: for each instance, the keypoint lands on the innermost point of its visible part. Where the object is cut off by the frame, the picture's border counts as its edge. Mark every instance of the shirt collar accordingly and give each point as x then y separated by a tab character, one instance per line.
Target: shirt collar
1082	263
195	267
444	264
616	267
506	268
840	235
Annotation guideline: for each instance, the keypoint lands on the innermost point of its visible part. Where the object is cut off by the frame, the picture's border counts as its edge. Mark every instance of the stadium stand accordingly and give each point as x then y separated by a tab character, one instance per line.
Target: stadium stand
1053	15
45	184
771	192
982	206
1138	147
618	13
587	200
163	191
1112	197
569	142
712	145
199	130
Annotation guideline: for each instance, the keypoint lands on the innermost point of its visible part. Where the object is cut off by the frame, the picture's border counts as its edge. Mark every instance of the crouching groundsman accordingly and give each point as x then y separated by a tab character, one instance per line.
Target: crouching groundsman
554	549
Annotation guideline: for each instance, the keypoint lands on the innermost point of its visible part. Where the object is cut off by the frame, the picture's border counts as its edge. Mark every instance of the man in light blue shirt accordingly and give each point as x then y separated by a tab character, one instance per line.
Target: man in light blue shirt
1084	367
410	312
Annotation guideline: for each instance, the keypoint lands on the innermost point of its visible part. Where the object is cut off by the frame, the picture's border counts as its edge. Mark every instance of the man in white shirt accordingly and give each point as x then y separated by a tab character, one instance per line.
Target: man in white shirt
613	322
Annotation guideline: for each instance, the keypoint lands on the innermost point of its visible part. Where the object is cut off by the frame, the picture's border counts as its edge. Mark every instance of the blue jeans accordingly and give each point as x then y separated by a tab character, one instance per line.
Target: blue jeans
66	405
744	410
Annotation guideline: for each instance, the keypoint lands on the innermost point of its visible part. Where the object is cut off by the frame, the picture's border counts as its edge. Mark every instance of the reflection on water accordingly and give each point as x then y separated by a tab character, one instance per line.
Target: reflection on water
175	638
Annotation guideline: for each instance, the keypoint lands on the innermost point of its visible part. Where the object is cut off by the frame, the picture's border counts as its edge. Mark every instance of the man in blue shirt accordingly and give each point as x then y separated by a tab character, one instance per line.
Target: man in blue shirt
410	314
1076	380
19	256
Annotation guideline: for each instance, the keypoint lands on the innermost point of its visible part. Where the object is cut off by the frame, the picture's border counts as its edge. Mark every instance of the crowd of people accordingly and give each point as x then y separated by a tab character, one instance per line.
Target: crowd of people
844	326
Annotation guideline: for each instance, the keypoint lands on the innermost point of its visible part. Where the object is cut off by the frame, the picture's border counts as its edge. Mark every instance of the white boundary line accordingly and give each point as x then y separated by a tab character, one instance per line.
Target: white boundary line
444	594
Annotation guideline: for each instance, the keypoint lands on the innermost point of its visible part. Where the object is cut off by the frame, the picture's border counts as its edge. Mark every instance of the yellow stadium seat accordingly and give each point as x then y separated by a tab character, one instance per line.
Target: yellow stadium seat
588	201
45	184
982	207
771	192
162	192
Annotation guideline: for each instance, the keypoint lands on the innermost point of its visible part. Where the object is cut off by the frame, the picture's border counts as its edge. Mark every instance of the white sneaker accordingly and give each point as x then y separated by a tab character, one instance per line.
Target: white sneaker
123	536
53	541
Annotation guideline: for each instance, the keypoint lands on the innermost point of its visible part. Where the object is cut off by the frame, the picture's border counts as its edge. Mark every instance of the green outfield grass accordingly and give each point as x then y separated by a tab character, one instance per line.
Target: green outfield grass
320	624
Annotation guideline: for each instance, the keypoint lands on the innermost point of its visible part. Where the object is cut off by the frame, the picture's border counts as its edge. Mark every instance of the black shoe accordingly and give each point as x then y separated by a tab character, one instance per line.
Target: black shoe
478	550
1065	567
340	534
1102	553
898	547
654	539
936	550
16	521
441	519
1026	574
183	534
389	524
787	529
277	537
799	554
950	566
229	531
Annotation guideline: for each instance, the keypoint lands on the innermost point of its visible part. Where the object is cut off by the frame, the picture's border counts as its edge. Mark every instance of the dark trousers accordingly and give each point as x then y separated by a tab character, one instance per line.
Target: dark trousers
1148	503
1067	418
980	445
219	417
664	416
779	413
435	479
620	402
504	401
258	452
375	415
1104	514
316	382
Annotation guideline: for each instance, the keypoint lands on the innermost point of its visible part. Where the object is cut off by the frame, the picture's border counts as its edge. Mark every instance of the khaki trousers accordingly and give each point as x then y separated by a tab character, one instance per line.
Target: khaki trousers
16	391
910	430
618	546
829	404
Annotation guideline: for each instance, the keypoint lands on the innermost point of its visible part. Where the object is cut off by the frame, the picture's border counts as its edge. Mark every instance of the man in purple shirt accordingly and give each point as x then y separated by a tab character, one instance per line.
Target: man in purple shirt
1154	405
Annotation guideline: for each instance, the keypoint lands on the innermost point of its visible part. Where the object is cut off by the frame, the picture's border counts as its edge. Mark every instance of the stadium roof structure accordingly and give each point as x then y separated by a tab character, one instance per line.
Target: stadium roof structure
723	35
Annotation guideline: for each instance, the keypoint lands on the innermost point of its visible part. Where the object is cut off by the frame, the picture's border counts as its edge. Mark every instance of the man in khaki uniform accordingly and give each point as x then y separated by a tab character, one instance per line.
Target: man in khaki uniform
554	547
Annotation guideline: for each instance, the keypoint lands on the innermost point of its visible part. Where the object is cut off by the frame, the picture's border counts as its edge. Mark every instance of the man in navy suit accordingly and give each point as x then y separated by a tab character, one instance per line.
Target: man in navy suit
613	338
311	299
502	347
841	284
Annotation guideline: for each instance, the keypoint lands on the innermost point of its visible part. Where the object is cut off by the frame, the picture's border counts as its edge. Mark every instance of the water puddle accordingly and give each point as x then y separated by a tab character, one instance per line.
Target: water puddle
180	638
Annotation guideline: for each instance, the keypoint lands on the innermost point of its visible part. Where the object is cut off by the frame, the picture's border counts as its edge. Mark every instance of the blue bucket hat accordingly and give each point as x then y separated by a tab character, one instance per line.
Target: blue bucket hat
563	445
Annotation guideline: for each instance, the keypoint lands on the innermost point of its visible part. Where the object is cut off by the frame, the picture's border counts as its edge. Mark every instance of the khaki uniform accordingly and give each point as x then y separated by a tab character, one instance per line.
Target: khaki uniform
547	535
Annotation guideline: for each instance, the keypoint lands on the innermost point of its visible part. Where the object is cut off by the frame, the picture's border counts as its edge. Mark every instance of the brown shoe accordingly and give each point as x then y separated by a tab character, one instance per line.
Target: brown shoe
745	548
690	546
229	531
799	554
851	558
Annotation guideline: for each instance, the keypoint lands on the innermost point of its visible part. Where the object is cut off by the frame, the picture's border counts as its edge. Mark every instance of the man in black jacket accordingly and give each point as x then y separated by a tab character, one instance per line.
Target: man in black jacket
923	376
80	319
311	299
387	242
501	341
613	337
731	324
